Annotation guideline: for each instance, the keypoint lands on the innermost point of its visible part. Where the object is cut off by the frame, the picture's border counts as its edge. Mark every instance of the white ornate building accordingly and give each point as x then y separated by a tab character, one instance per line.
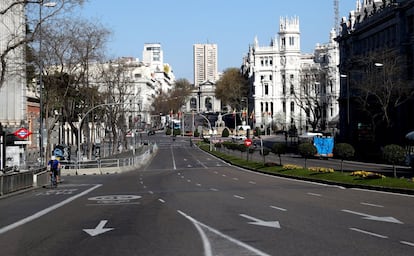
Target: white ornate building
286	86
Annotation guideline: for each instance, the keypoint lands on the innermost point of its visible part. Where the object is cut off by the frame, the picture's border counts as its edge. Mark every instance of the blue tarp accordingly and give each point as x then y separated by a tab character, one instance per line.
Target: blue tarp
324	145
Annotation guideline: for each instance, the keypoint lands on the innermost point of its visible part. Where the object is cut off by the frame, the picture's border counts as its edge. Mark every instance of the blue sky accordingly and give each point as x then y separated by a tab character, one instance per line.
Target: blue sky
231	24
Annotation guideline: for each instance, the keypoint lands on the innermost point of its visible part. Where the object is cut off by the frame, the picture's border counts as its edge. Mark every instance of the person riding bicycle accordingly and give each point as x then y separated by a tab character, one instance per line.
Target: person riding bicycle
54	166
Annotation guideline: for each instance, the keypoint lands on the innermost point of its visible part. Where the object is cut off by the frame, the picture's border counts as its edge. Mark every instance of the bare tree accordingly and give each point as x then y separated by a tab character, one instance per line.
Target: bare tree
117	85
380	88
13	39
173	100
68	48
311	96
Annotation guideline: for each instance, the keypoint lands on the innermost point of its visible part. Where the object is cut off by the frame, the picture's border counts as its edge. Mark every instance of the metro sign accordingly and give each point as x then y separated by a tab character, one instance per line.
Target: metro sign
248	142
22	133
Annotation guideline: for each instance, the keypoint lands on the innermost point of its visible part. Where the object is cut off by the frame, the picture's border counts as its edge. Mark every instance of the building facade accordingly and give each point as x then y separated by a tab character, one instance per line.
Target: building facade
376	52
13	102
205	63
288	89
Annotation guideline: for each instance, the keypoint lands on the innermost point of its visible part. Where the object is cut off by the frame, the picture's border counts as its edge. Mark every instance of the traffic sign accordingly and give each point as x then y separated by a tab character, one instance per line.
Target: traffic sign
22	133
248	142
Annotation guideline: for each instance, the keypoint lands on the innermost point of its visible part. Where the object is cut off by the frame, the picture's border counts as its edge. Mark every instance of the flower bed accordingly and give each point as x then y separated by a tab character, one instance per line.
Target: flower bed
321	170
367	175
291	167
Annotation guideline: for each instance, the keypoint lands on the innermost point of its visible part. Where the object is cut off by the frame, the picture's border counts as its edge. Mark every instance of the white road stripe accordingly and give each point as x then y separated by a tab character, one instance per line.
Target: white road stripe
368	233
45	211
214	189
206	241
238	197
314	194
278	208
161	200
252	182
407	243
373	205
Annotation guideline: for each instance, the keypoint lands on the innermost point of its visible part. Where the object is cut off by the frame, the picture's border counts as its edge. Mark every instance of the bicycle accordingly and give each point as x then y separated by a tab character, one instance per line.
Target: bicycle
53	181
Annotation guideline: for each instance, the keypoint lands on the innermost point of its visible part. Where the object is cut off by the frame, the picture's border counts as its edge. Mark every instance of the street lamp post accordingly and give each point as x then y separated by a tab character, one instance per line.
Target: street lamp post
347	96
41	147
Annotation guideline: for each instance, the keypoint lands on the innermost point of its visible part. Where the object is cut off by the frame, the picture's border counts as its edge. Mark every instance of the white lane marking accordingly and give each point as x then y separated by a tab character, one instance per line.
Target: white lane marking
45	211
235	178
238	197
161	200
224	175
252	182
278	208
259	222
173	159
201	163
373	205
100	229
206	242
188	180
214	189
368	233
198	185
382	192
407	243
314	194
151	192
376	218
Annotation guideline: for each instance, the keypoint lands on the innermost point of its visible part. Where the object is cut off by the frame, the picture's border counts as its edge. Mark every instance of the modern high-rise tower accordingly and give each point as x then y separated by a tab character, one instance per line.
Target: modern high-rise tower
205	63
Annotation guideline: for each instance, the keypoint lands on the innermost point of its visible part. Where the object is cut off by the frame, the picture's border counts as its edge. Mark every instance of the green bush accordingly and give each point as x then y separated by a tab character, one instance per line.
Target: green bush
196	133
394	154
307	150
168	131
225	133
279	149
343	151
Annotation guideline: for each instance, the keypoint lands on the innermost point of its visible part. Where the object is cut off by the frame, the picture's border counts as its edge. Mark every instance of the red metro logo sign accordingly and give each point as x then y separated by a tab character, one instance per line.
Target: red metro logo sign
248	142
22	133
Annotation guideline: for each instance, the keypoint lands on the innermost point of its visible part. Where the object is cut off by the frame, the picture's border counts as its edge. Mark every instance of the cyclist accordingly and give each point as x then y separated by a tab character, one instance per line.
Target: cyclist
54	166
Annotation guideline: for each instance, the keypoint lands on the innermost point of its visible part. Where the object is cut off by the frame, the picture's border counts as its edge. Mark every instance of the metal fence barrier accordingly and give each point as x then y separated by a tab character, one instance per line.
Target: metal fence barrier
15	181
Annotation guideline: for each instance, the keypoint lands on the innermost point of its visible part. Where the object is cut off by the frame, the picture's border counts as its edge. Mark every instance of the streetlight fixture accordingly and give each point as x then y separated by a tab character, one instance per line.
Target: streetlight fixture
41	147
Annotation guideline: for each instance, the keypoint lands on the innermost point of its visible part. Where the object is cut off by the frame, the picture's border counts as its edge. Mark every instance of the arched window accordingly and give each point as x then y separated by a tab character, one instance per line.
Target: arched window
208	104
193	103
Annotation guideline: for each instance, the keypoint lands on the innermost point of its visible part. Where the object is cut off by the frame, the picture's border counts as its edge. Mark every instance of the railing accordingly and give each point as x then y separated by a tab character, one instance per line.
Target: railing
11	182
15	181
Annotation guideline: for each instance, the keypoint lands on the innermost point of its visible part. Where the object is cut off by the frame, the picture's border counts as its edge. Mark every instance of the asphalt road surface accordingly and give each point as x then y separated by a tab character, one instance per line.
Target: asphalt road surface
186	202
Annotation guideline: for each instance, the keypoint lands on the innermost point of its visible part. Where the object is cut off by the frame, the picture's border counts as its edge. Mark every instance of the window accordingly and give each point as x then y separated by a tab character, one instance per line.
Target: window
208	104
283	42
266	87
193	103
292	107
291	40
284	107
271	61
270	77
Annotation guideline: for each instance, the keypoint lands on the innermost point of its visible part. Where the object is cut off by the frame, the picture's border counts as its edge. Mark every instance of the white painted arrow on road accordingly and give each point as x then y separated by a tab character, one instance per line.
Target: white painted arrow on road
376	218
258	222
99	229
